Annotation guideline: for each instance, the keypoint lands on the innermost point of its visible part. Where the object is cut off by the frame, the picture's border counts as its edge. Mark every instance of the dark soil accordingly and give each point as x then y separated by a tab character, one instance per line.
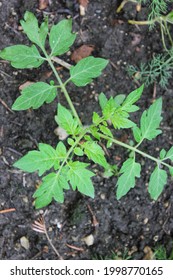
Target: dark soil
130	224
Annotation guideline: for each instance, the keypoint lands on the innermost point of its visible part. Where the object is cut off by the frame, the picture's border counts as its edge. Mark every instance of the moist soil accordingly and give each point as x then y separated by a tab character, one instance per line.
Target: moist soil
131	226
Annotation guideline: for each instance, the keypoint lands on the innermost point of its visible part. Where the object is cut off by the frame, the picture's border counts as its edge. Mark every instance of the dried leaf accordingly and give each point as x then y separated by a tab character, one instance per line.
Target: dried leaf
43	4
24	85
82	52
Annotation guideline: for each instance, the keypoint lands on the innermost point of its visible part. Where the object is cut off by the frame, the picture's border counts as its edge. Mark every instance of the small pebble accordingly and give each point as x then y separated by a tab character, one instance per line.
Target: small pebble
103	196
155	238
89	240
24	242
145	221
25	199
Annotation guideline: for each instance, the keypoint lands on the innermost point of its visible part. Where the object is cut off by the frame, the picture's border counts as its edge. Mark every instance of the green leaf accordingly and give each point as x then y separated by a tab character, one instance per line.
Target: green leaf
109	108
78	151
162	154
94	132
86	69
120	119
65	120
150	120
169	154
95	153
126	181
41	160
35	34
102	100
51	187
96	118
136	133
61	151
34	96
79	178
61	37
22	56
109	144
119	99
87	138
157	181
70	141
105	130
110	171
171	171
117	115
131	99
169	17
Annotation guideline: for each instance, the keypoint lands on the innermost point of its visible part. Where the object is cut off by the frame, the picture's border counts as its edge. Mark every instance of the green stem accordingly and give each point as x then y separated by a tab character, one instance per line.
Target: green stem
123	4
145	22
134	149
168	33
72	149
63	88
163	38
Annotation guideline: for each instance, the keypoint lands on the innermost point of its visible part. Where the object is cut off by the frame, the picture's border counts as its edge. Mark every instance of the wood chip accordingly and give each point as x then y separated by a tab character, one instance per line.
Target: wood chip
6	106
83	6
84	3
43	4
82	52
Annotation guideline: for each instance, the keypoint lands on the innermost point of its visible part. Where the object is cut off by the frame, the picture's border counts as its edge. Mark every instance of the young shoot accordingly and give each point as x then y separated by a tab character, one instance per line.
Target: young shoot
67	166
159	69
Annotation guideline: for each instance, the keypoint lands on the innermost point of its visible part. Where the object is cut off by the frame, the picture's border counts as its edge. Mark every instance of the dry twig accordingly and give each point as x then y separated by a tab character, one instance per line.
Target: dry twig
40	226
74	247
61	62
94	221
6	106
7	210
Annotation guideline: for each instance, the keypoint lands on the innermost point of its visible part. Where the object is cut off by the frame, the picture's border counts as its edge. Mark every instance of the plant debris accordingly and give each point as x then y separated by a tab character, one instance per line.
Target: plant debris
83	6
43	4
82	52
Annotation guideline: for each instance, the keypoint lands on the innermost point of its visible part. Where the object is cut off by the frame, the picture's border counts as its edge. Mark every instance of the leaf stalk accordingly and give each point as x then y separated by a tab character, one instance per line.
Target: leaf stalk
63	88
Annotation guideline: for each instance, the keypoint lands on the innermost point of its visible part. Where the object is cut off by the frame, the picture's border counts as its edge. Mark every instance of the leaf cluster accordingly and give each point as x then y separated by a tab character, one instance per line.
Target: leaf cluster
156	7
159	69
64	166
